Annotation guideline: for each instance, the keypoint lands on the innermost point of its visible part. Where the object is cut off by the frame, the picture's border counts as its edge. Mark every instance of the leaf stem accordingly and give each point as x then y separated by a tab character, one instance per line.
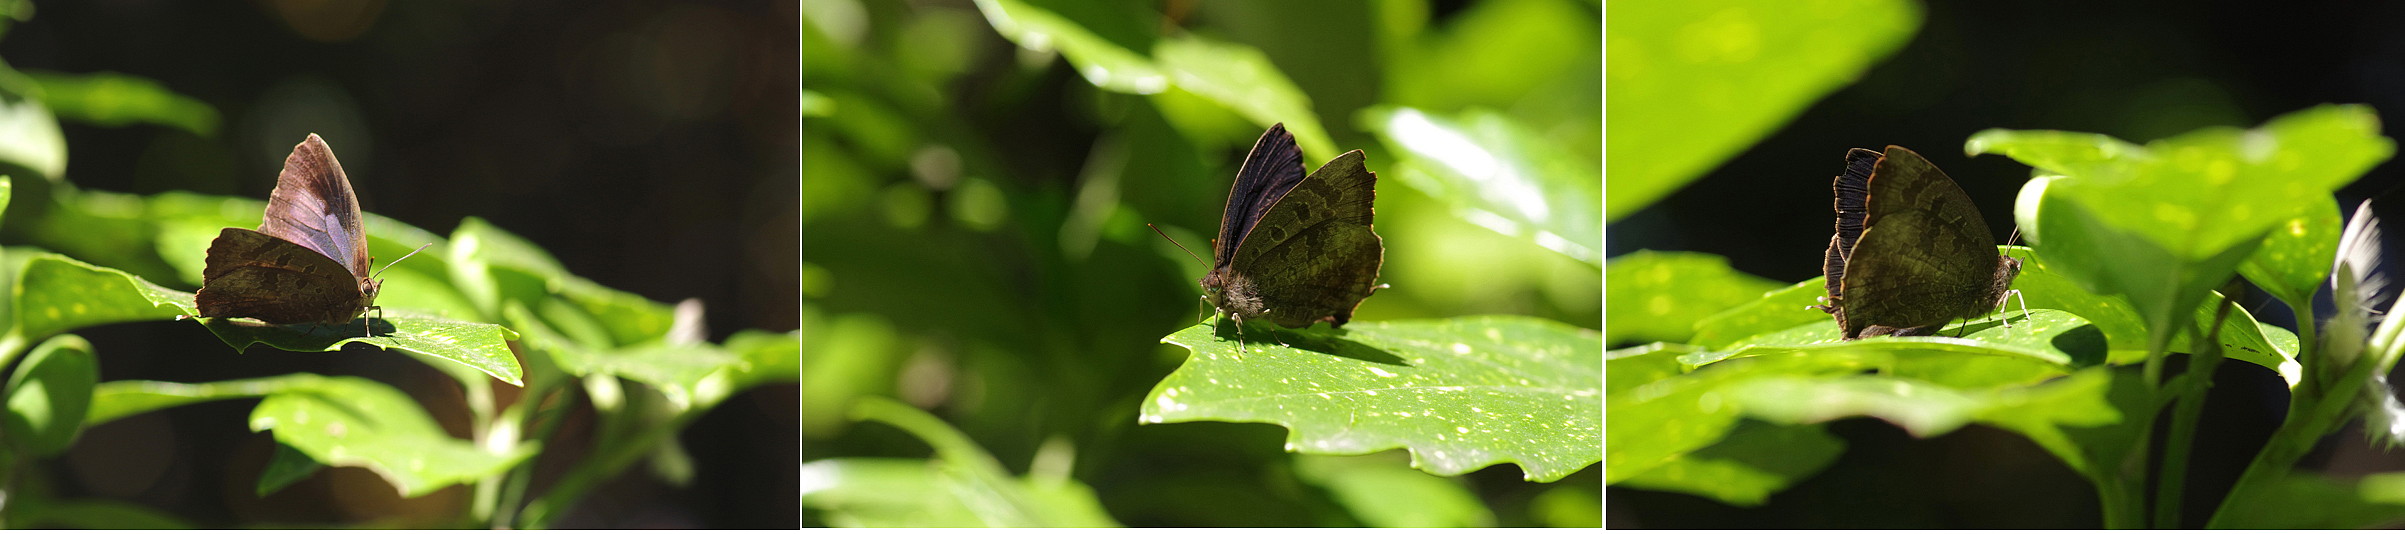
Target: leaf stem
2204	357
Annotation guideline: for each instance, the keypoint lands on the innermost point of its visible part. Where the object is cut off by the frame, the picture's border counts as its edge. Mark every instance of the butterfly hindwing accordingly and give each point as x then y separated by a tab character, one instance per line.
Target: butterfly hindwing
255	275
1924	256
1313	256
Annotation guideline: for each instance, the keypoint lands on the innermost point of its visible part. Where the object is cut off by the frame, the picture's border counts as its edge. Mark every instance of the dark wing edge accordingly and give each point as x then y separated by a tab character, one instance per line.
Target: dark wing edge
1274	167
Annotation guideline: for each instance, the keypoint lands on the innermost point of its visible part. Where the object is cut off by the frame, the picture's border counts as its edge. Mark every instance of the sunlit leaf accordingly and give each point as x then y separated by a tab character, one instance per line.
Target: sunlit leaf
112	99
349	421
1460	394
1691	83
1499	175
50	394
1659	296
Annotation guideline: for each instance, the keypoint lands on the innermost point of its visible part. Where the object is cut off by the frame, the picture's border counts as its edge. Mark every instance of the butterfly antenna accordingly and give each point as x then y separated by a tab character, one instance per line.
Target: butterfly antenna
1189	253
421	248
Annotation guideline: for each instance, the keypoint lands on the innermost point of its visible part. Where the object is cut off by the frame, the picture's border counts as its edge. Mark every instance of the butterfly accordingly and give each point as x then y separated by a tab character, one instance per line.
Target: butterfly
307	262
1911	252
1295	249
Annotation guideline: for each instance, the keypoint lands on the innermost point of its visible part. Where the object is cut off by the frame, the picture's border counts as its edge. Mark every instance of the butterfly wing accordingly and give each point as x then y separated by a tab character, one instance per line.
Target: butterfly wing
1924	256
1274	167
312	205
1313	256
255	275
1852	191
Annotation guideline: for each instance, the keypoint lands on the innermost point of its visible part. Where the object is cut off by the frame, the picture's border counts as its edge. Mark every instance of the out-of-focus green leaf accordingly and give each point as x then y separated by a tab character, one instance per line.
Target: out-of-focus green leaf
1103	63
348	421
1745	468
2309	501
289	465
883	492
112	99
2296	257
117	399
967	474
1382	492
1659	296
50	395
1459	393
1498	174
93	515
30	138
1241	78
1691	83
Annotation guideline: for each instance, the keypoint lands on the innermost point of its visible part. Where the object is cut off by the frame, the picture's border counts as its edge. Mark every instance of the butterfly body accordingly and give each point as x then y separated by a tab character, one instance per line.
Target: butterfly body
307	262
1295	249
1911	252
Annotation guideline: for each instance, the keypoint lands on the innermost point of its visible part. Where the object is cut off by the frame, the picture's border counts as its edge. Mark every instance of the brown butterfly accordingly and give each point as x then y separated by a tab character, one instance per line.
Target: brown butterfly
1295	249
307	263
1911	252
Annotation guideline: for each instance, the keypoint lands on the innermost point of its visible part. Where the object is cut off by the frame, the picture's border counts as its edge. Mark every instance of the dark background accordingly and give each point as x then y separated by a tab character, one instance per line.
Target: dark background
2134	70
651	146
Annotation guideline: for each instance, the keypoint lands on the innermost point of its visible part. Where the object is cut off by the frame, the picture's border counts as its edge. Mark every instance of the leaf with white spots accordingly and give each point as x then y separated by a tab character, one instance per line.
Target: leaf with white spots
350	421
1460	394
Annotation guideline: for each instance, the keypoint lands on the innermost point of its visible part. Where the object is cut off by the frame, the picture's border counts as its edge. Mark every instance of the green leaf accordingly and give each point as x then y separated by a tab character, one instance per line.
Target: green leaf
1567	506
1660	296
628	318
2040	345
979	483
50	395
30	138
2075	418
883	493
1658	422
289	465
1460	393
1241	78
57	294
1103	63
1754	461
2164	223
2198	194
112	99
1778	309
118	399
2296	257
1383	492
1691	83
480	346
349	421
93	515
1498	174
2309	501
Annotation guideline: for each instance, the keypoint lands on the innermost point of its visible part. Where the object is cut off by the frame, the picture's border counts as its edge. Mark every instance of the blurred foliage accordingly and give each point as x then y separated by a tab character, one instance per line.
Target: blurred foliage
1731	398
85	258
1694	83
979	177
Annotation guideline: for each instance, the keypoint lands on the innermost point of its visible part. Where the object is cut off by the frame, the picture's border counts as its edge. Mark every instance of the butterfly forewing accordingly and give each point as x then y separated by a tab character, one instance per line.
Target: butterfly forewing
1273	167
312	205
